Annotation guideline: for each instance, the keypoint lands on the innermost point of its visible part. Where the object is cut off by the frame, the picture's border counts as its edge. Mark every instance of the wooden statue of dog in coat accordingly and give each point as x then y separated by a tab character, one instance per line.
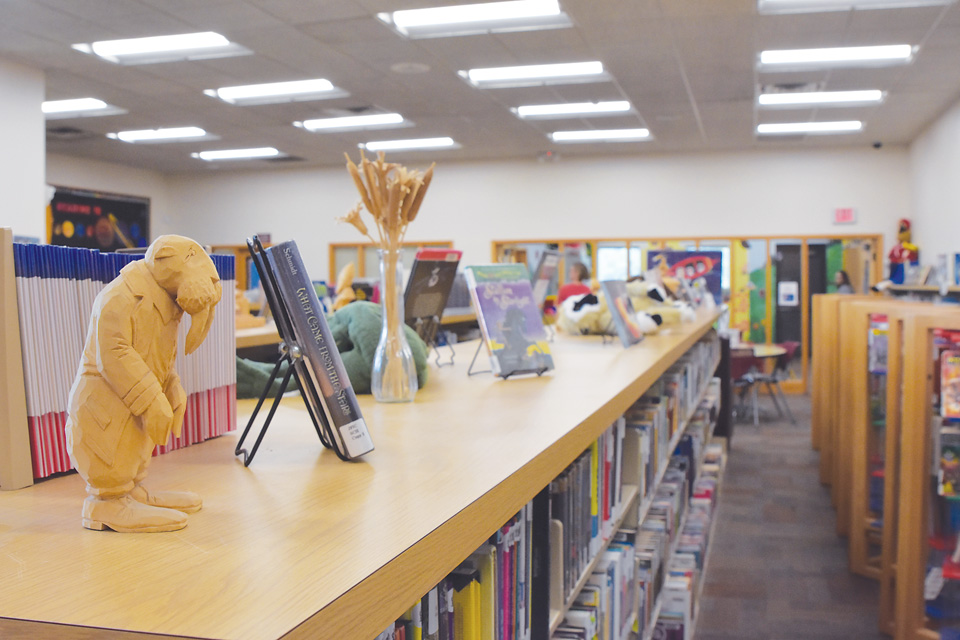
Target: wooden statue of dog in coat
127	397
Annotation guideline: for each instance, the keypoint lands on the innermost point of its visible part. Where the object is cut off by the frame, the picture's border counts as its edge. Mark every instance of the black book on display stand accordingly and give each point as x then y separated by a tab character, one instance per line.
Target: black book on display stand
308	346
428	289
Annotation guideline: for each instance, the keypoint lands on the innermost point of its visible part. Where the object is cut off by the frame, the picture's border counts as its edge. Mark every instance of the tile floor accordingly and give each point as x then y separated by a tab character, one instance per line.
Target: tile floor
777	570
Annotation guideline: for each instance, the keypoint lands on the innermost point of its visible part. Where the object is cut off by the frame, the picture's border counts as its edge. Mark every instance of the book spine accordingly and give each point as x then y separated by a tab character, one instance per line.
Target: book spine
319	350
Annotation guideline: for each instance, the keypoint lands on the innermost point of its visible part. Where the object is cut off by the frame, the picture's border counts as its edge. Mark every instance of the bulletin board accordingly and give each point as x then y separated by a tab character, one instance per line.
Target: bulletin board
97	220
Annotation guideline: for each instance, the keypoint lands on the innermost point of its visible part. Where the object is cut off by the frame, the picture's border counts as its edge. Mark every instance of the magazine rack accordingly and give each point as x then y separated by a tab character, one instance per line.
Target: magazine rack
291	354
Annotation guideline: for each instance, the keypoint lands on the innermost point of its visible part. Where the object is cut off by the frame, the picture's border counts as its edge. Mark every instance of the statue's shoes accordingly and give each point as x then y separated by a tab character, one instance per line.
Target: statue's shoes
185	501
126	515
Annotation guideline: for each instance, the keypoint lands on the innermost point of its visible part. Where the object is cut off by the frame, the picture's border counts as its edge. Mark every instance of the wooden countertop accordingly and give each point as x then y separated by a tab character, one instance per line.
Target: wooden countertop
301	545
258	336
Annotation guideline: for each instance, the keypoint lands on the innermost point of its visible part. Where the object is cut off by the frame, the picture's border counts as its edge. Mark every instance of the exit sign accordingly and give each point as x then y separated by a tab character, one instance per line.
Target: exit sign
844	215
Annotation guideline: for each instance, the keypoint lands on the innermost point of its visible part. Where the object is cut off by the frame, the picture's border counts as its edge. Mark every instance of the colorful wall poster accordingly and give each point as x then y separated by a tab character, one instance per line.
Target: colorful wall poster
96	220
692	265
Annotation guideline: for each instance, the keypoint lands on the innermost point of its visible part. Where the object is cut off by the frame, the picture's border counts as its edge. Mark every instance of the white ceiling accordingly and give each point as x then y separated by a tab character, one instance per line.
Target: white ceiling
687	66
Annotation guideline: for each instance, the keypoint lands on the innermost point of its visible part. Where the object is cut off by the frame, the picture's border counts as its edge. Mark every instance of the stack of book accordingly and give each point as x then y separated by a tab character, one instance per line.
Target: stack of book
585	500
648	421
683	581
487	596
56	288
603	609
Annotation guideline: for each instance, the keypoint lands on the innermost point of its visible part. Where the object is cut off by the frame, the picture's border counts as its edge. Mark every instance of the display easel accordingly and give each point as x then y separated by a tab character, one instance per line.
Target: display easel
291	354
473	361
430	327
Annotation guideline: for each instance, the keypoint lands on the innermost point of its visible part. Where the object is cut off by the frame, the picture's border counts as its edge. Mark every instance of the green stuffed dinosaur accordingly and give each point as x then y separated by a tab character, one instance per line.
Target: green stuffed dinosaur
356	330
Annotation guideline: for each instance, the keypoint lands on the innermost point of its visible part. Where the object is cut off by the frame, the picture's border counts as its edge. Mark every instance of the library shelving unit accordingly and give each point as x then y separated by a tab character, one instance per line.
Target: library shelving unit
301	545
928	582
822	392
830	425
871	400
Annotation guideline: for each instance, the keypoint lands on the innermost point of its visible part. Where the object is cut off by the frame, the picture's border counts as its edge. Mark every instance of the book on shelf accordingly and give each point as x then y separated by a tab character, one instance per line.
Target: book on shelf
56	292
622	312
510	321
877	343
321	368
950	384
486	597
546	276
428	289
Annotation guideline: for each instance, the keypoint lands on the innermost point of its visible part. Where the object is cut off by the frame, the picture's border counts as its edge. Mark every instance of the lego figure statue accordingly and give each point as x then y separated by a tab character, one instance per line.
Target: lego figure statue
127	398
903	253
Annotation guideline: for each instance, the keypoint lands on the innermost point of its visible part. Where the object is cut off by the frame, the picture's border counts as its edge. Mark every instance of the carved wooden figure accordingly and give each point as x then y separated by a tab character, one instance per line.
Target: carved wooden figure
127	398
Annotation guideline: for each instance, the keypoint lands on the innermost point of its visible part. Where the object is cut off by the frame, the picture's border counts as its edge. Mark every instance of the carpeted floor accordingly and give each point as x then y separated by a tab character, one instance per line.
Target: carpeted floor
777	570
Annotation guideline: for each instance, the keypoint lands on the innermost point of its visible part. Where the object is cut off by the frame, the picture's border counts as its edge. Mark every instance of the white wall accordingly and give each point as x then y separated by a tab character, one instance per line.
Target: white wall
80	173
935	168
748	193
22	149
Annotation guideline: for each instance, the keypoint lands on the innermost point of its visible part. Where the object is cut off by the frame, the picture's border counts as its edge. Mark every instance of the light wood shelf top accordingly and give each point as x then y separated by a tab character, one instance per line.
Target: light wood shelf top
302	545
258	336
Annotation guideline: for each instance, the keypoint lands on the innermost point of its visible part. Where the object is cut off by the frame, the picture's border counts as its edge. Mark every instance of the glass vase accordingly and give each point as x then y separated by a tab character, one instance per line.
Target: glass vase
394	377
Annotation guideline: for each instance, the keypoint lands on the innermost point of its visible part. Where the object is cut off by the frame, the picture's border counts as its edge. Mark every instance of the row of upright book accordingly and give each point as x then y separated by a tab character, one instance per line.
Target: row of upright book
614	547
487	597
56	288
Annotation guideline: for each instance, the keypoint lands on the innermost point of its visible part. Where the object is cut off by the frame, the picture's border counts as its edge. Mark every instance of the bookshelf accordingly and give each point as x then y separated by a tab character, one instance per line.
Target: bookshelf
872	407
631	506
15	469
301	545
924	536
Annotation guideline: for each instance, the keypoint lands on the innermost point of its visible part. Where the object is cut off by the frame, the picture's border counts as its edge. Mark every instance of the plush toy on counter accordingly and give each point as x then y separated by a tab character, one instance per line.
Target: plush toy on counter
654	300
127	397
903	253
589	314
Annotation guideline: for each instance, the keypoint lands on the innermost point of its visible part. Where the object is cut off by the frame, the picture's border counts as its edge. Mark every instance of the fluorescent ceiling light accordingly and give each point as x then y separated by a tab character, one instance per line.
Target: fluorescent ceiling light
272	92
846	126
77	108
184	46
820	98
159	135
537	74
572	109
839	56
468	19
418	143
813	6
600	135
372	121
237	154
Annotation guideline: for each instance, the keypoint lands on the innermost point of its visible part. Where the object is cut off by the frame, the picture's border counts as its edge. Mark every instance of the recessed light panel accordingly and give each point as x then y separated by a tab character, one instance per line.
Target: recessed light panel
535	75
470	19
154	49
410	145
78	108
794	128
820	98
601	135
836	57
170	134
572	109
768	7
274	92
372	121
237	154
